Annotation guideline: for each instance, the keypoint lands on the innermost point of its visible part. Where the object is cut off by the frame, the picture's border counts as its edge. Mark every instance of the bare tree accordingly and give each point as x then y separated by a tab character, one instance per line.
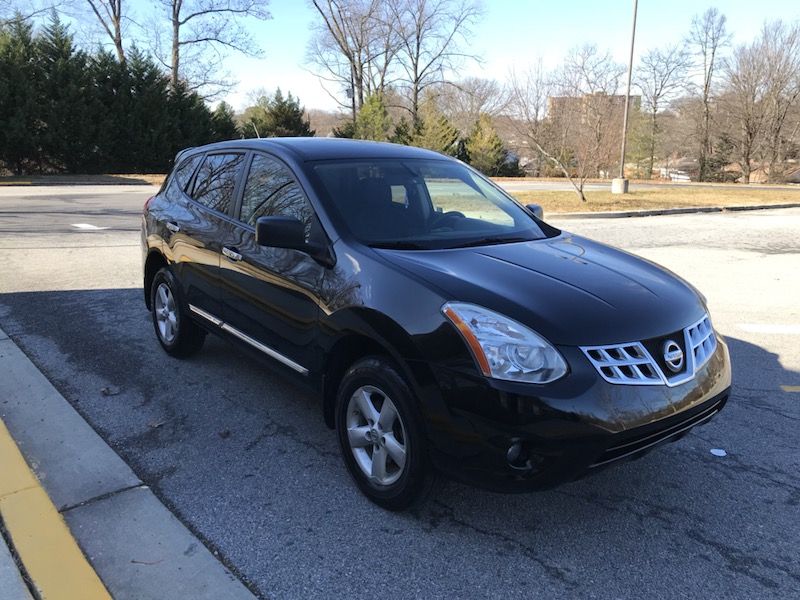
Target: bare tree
464	101
109	14
25	9
353	48
200	34
780	45
433	36
571	117
744	100
661	77
707	37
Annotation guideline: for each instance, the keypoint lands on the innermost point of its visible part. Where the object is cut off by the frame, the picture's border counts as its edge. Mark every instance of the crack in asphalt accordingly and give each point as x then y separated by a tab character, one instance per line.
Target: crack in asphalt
433	520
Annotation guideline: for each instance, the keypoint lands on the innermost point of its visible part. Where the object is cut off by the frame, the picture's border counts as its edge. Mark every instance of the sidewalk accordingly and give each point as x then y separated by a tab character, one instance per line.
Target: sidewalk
76	522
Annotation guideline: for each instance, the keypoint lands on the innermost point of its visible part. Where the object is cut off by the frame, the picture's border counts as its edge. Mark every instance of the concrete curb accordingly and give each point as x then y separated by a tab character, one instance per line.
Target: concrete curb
135	544
668	211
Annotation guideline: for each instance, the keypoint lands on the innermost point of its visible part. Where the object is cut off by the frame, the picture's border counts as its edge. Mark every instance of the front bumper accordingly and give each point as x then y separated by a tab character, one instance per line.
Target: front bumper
517	437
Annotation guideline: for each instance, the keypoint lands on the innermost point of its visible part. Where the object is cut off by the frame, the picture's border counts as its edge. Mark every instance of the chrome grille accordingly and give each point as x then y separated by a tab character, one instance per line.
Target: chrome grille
701	341
624	363
631	364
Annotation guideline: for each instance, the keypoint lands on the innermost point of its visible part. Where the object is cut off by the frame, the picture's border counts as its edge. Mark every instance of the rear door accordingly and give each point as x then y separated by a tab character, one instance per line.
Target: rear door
196	226
271	295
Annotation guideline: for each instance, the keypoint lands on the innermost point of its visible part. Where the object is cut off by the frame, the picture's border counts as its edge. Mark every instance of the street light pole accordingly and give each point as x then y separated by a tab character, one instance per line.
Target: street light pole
620	185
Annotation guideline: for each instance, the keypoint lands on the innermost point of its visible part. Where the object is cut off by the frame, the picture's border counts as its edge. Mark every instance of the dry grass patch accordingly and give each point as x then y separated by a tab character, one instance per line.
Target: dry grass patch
653	199
116	179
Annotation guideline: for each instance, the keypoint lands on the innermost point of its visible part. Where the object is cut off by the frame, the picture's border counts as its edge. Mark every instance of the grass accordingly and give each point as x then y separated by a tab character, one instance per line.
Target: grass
119	179
650	199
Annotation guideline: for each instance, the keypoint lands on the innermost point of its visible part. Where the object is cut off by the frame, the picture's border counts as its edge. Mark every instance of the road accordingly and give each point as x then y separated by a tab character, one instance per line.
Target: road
243	458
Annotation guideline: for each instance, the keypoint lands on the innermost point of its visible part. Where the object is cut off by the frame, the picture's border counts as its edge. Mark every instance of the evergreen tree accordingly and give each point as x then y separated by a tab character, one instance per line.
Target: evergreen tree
191	120
111	91
435	131
345	130
484	147
402	132
68	127
148	122
223	123
277	116
373	121
20	110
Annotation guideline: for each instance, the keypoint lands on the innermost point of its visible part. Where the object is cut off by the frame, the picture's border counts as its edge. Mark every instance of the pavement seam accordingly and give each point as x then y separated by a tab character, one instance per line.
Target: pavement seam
65	509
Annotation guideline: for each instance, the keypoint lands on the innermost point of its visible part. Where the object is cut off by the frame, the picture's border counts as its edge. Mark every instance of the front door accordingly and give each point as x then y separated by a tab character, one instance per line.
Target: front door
270	295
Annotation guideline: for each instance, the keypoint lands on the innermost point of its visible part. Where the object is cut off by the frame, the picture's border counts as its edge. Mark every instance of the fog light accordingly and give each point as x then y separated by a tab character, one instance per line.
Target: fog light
517	456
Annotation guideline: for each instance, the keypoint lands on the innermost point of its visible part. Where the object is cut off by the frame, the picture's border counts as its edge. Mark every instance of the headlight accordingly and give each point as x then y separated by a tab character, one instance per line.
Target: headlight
503	348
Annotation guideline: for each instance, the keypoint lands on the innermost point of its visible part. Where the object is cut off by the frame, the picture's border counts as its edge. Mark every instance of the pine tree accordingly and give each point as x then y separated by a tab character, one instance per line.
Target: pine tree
484	147
20	110
68	106
223	123
111	90
373	121
277	116
402	132
435	131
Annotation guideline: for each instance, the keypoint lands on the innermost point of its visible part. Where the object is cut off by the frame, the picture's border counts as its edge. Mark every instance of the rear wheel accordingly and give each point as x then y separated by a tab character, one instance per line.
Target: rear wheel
380	434
177	333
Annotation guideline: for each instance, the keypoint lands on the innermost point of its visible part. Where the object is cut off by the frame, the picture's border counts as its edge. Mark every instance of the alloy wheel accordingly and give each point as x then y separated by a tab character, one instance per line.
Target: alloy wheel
376	435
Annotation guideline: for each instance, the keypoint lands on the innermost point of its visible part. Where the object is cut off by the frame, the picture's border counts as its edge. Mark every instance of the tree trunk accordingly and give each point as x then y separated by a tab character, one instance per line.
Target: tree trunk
176	47
652	156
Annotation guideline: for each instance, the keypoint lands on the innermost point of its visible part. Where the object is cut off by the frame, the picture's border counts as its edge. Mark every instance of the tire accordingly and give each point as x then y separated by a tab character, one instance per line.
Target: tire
176	332
373	433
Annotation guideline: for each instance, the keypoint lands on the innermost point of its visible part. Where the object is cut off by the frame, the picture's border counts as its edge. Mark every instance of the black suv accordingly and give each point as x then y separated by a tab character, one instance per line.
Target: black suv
445	326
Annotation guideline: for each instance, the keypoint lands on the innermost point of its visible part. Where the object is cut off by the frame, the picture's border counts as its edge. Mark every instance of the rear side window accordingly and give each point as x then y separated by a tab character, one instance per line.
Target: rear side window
183	172
181	176
271	191
215	183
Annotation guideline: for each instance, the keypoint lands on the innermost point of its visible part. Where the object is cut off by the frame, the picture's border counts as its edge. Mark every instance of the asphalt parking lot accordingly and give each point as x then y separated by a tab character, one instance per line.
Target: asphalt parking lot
243	458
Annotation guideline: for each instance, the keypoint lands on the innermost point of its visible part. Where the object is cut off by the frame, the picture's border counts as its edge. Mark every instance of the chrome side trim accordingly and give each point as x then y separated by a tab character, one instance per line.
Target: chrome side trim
246	338
205	315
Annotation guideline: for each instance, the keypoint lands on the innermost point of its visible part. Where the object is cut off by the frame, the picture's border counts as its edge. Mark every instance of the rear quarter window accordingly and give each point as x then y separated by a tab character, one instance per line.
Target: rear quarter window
181	175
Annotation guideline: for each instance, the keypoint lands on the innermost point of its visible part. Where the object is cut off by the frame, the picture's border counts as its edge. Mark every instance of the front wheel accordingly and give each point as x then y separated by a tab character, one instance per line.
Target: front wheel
177	333
380	434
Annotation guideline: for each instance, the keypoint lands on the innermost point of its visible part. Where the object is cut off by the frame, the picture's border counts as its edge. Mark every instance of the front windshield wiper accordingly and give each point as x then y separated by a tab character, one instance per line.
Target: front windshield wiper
488	241
396	245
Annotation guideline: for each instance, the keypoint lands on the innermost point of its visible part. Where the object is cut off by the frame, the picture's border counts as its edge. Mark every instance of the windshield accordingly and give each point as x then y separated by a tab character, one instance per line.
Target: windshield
422	204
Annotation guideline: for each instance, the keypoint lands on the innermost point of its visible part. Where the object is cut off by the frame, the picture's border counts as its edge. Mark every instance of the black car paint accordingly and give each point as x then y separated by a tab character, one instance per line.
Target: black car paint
571	290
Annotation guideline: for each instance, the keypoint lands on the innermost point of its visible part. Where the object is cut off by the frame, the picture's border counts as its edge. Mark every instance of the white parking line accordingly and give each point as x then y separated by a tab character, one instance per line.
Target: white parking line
776	328
87	227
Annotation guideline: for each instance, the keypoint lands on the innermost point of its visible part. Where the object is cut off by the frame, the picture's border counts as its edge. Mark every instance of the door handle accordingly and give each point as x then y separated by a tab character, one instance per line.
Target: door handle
173	227
231	253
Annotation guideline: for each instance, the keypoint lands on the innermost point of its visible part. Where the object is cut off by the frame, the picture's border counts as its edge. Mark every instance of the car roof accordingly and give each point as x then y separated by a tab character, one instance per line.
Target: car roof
312	148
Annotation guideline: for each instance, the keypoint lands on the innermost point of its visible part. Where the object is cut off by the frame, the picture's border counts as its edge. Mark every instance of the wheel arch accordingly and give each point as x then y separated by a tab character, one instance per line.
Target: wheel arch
363	333
155	261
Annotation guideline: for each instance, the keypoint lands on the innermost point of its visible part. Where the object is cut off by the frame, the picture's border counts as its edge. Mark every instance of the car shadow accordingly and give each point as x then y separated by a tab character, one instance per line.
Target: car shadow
242	455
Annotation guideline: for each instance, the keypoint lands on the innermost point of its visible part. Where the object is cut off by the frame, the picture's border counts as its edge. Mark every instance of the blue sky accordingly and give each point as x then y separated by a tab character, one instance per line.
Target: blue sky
512	33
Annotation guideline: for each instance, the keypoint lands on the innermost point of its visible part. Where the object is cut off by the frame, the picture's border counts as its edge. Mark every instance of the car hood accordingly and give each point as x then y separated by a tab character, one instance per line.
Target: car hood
569	289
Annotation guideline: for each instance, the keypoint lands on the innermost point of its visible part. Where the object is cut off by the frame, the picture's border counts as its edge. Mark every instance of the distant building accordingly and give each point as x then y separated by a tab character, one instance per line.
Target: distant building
585	104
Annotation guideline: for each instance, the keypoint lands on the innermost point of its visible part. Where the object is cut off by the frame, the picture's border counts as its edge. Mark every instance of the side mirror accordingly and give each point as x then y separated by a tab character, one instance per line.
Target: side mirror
281	232
536	210
289	232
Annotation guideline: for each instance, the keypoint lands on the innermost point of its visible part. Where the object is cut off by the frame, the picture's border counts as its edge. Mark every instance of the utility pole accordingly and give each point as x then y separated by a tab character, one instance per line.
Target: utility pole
620	185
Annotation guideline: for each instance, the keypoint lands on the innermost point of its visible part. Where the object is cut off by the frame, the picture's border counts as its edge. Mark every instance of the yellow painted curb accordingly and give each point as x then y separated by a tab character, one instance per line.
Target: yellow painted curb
55	565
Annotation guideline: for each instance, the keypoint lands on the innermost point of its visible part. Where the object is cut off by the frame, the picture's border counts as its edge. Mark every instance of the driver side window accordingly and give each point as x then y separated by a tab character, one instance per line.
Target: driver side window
271	191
